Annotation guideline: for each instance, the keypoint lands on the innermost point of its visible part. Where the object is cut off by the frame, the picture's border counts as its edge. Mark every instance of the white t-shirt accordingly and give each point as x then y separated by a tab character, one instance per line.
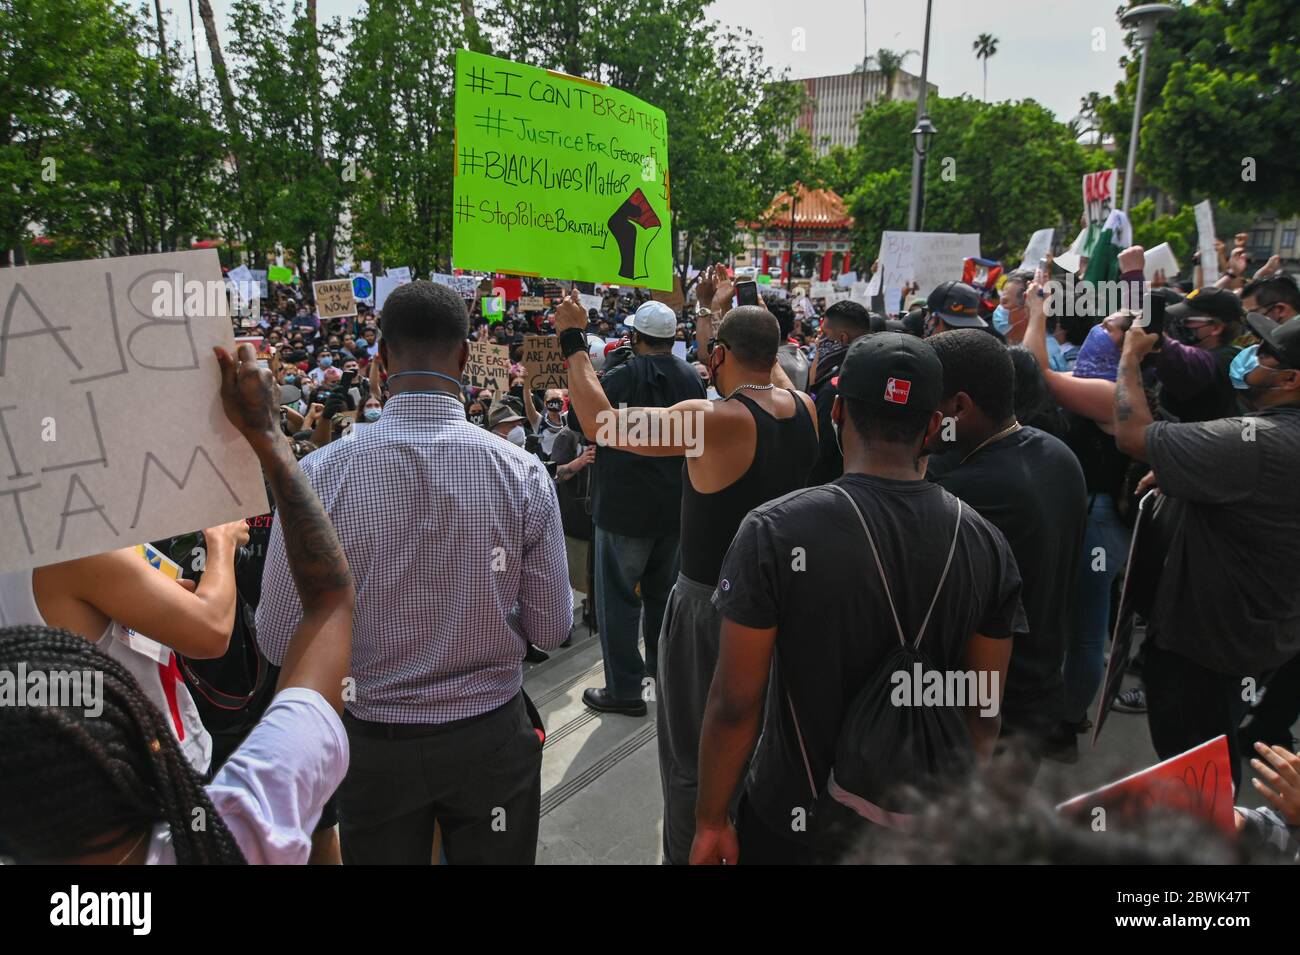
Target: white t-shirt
147	660
271	791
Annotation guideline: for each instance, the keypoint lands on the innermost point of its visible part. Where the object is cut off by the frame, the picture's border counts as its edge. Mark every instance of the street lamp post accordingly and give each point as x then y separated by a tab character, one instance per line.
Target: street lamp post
921	137
1142	18
924	129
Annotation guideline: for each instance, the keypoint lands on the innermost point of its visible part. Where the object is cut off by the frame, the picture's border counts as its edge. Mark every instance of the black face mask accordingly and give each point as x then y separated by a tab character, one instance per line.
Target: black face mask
554	405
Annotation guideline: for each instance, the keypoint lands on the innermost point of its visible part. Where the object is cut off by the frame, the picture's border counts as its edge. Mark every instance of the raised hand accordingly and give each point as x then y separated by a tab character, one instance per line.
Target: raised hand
249	395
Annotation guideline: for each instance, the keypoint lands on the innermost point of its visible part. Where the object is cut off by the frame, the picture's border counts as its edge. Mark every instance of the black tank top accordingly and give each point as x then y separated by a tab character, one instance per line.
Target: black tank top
785	450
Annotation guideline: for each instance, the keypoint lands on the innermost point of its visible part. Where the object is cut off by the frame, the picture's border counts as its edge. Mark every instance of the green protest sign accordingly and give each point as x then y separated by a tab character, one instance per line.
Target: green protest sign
558	176
278	273
494	308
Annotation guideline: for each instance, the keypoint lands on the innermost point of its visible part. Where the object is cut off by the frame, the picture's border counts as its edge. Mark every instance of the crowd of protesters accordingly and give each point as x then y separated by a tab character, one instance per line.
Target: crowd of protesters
832	496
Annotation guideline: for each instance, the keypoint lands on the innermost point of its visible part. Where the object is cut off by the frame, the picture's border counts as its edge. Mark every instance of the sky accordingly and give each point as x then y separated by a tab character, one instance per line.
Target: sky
1047	51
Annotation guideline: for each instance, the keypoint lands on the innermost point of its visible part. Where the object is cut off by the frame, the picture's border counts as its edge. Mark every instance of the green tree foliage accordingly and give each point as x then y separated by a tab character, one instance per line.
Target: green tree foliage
1220	107
1002	170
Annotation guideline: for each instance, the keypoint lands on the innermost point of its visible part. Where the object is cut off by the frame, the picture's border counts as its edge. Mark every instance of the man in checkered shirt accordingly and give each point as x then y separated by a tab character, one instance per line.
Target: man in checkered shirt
457	552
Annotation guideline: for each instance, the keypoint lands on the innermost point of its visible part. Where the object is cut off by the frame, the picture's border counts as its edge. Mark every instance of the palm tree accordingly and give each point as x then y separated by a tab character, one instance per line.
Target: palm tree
888	64
1088	112
984	47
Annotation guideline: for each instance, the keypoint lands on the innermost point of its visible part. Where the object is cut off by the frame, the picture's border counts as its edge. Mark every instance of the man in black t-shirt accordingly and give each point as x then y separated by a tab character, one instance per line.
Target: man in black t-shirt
800	585
1029	486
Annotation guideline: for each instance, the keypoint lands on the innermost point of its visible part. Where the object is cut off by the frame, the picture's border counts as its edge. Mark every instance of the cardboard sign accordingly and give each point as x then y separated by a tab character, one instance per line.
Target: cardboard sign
559	176
1205	243
334	298
676	299
926	258
544	363
532	303
110	415
488	366
590	301
401	274
1099	195
821	290
1197	782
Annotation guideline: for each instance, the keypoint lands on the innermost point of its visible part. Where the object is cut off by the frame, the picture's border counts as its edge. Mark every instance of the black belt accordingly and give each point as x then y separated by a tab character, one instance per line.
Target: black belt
394	731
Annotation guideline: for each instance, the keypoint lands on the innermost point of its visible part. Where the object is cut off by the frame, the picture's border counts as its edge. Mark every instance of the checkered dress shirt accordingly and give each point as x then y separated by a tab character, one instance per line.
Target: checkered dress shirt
457	553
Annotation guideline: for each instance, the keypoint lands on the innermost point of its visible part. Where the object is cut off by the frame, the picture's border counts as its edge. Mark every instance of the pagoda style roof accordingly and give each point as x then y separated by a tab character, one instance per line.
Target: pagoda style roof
813	209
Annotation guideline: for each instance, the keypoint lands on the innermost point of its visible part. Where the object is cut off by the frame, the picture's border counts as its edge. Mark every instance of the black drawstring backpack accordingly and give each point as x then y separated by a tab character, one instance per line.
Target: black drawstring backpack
884	749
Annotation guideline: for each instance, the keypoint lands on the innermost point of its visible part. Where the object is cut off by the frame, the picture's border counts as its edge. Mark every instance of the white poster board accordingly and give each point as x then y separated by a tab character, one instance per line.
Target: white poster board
1040	243
111	427
1205	243
926	258
1160	259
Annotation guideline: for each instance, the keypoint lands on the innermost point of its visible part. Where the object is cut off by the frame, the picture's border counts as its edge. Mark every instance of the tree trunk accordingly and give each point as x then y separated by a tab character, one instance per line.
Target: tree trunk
228	110
162	37
474	39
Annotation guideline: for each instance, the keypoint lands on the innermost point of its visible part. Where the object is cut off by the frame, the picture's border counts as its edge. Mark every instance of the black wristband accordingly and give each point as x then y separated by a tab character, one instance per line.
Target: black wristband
572	341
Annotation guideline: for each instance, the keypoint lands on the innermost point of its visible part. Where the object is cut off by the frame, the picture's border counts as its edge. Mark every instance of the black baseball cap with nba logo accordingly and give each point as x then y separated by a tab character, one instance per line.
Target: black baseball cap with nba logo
890	368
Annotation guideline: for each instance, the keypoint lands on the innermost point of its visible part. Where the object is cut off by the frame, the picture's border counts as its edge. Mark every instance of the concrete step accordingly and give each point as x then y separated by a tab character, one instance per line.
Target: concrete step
601	799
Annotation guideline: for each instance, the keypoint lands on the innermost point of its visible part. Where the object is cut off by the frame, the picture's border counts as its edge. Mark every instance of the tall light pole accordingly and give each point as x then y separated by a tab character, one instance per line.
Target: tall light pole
921	134
1142	18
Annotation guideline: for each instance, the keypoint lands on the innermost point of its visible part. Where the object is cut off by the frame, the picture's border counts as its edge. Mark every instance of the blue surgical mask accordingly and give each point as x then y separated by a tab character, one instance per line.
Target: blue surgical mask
1247	360
372	414
1001	319
326	361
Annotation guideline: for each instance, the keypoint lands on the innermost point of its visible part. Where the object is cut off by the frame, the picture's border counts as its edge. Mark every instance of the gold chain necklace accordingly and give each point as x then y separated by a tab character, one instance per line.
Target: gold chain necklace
990	439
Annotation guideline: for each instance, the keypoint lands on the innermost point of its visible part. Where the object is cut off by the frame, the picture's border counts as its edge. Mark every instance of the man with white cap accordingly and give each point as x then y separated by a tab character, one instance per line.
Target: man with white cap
636	509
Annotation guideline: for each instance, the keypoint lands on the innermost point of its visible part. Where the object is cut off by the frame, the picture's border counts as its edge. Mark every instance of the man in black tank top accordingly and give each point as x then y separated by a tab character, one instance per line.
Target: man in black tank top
752	445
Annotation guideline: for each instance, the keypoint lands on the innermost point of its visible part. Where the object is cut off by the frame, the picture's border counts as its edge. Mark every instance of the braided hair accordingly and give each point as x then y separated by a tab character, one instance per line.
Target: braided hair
72	781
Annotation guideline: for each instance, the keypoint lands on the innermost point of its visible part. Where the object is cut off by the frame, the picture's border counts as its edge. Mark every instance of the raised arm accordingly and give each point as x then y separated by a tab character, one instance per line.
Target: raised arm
1091	397
624	428
320	651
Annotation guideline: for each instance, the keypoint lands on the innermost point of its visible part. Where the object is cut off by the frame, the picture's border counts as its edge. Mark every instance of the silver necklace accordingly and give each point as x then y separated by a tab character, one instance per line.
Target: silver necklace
739	388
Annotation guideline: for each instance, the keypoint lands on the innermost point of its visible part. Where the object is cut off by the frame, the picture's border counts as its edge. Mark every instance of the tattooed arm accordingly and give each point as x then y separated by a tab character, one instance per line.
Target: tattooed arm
1132	415
319	656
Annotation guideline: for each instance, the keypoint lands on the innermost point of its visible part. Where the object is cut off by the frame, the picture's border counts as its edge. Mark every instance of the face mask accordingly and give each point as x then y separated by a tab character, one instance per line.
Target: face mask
476	419
1189	335
291	379
555	406
516	436
372	414
1001	319
326	361
1247	360
1098	356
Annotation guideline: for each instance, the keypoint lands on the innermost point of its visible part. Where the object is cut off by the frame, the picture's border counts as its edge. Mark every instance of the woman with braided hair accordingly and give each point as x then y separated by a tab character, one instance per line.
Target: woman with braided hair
106	781
86	787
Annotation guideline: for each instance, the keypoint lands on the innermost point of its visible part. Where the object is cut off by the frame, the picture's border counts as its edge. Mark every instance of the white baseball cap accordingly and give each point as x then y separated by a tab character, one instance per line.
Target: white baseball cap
654	319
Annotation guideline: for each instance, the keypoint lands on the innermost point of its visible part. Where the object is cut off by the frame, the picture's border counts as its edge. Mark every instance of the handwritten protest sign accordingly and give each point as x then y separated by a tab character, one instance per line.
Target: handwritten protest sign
1197	782
544	363
488	366
558	176
385	285
1099	193
334	298
1205	242
926	258
532	303
590	301
111	428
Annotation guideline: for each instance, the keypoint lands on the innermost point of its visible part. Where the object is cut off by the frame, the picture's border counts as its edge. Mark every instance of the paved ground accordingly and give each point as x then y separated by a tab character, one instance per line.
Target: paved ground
601	801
